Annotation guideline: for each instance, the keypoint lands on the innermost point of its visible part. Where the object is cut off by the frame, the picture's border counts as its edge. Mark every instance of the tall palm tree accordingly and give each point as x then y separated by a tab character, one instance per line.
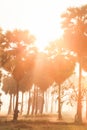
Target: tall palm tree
62	66
18	60
25	85
75	39
41	73
62	69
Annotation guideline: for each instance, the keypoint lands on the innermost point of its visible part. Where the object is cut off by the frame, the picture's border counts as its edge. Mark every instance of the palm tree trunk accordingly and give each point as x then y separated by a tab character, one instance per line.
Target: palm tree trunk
13	101
78	117
22	103
33	102
59	103
10	105
52	104
46	102
28	110
36	101
42	105
16	111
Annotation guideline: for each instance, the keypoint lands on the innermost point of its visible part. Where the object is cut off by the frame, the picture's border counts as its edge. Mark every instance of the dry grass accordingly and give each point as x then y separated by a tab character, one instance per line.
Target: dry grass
37	123
25	125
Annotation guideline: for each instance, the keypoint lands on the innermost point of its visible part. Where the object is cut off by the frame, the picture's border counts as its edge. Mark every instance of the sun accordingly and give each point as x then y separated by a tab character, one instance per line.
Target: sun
40	17
41	46
44	38
46	32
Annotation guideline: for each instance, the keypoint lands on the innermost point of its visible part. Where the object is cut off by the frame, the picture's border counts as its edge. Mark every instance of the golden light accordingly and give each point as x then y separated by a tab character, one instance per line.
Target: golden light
46	36
40	17
41	46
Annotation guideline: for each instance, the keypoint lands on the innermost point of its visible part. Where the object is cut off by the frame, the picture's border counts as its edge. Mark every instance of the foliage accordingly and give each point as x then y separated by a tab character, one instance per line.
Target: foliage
15	45
41	72
9	85
63	67
75	29
75	39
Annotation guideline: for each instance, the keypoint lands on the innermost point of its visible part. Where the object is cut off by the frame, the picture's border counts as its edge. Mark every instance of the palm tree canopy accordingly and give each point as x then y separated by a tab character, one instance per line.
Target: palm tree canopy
17	55
75	29
9	85
41	72
62	68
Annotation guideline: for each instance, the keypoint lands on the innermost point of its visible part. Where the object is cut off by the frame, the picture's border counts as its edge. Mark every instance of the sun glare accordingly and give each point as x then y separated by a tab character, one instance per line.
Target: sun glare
41	18
41	46
46	35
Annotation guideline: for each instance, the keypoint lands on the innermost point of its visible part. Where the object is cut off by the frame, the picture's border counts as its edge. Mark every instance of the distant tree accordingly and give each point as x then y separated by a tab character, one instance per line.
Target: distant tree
9	87
2	49
84	92
68	94
41	74
42	70
25	86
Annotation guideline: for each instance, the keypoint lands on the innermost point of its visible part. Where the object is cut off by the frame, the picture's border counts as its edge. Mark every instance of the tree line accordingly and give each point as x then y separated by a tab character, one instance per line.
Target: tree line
29	67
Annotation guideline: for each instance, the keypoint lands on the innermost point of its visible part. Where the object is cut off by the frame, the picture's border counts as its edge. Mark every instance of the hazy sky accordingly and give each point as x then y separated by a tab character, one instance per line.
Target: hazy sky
41	17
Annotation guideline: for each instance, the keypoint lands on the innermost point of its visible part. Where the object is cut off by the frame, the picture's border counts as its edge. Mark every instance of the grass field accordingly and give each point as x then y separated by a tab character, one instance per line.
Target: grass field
25	125
38	123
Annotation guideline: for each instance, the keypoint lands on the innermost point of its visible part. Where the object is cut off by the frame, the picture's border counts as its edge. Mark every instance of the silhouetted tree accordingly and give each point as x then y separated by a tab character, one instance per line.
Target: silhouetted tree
62	68
75	39
18	62
41	74
9	87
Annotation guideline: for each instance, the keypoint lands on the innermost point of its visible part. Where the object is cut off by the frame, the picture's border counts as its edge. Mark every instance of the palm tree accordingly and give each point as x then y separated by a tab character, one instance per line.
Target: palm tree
9	85
75	39
41	74
62	68
18	60
25	85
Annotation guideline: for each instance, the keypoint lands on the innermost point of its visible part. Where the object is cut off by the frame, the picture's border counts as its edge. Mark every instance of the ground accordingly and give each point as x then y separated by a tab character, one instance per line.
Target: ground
38	123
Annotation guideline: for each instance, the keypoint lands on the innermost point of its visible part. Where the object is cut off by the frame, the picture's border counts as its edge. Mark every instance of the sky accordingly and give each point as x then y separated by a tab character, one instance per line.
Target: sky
40	17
